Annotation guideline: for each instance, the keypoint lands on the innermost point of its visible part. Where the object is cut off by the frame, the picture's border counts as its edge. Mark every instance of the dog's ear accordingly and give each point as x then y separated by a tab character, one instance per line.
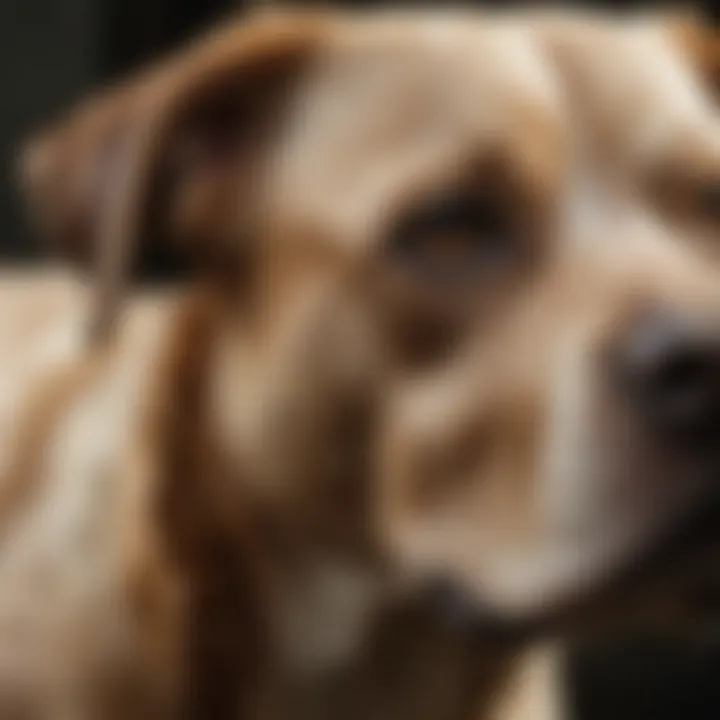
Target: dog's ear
171	156
697	35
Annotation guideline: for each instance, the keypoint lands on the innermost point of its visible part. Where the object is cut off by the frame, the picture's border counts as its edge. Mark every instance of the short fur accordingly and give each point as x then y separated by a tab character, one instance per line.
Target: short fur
232	503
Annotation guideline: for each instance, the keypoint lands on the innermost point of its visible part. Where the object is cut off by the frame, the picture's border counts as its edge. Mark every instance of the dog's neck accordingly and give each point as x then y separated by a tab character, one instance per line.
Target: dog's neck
320	632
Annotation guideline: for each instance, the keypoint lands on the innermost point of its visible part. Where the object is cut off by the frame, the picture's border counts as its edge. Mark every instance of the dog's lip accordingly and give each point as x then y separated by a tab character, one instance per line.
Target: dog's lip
697	530
666	558
663	562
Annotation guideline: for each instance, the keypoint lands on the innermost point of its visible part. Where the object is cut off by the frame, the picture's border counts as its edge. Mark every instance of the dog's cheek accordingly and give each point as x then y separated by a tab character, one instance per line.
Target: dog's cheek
453	497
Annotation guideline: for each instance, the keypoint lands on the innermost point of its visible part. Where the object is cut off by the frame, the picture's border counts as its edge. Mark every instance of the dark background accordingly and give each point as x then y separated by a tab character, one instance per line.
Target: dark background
54	51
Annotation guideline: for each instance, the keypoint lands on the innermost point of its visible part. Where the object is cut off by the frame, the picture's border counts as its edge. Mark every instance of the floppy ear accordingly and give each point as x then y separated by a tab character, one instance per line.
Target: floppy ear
169	157
698	37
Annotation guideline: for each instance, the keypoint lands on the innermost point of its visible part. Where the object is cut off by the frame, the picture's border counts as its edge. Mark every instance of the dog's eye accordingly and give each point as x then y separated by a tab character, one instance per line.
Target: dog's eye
454	239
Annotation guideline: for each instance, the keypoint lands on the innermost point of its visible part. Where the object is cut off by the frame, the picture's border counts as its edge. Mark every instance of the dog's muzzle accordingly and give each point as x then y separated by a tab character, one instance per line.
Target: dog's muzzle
666	373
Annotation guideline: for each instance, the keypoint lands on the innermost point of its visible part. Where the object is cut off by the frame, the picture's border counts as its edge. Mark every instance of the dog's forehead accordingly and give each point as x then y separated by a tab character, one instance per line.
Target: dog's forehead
500	50
393	103
494	62
633	81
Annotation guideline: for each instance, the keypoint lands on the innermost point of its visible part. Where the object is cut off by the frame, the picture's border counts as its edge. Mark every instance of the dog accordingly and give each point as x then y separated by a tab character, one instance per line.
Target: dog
444	357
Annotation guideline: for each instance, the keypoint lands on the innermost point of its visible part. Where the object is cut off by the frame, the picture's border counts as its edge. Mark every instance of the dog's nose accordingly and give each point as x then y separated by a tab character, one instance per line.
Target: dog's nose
672	374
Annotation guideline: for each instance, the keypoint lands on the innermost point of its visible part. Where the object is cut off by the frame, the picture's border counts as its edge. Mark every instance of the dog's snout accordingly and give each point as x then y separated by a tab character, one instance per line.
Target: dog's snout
671	371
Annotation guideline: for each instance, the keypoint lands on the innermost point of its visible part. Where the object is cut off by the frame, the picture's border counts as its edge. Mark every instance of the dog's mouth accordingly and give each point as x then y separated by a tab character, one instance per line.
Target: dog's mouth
682	566
677	568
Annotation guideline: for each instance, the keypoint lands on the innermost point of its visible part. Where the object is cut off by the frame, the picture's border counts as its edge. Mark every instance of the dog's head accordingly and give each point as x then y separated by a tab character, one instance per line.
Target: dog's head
455	324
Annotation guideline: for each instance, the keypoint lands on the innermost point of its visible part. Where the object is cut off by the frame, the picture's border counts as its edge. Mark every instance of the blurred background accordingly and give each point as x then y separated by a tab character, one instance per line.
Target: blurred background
54	51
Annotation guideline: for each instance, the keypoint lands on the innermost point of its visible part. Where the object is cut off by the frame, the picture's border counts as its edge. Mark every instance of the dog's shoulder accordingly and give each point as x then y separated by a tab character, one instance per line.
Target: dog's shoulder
74	428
